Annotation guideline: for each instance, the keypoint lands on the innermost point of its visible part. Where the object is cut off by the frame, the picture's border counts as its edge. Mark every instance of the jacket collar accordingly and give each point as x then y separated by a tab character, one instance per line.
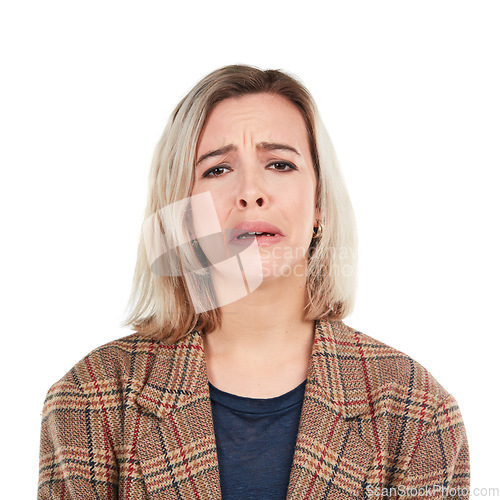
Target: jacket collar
179	373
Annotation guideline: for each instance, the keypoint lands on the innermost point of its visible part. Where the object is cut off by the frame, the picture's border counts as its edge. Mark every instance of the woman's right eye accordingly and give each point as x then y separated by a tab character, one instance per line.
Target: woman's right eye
216	171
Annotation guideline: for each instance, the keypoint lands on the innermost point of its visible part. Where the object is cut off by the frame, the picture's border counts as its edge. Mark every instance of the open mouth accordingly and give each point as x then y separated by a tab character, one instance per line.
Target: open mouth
254	234
247	233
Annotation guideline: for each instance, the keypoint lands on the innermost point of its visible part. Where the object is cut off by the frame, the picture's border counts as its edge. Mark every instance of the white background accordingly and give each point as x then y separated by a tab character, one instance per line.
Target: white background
410	94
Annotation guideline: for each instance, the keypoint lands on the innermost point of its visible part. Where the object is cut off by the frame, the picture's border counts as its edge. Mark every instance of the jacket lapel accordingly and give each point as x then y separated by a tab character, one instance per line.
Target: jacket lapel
331	459
178	453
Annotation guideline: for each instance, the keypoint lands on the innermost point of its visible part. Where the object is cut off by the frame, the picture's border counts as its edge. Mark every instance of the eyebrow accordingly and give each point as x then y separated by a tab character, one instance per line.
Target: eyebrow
217	152
273	146
265	146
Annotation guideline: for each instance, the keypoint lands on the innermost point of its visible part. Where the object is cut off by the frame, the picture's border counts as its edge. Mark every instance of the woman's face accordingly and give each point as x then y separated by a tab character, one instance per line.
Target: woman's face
253	157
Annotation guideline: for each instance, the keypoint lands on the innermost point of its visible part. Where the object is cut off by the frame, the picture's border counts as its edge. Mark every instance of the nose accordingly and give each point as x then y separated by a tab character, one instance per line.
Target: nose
251	192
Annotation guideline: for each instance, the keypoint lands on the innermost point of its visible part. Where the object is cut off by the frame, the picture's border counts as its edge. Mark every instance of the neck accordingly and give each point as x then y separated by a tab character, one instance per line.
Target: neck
267	320
263	346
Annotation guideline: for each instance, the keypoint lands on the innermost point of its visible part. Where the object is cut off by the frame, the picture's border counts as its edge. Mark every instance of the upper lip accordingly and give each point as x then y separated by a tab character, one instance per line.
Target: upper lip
256	226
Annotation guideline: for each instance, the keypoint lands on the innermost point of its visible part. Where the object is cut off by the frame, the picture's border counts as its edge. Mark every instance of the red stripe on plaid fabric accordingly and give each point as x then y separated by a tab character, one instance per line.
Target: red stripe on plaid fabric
322	458
324	339
107	430
70	400
333	341
183	454
155	401
136	429
370	403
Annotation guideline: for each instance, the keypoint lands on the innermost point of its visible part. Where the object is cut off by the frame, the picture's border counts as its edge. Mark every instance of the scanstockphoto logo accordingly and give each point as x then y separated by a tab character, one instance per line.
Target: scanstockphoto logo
219	266
341	260
433	491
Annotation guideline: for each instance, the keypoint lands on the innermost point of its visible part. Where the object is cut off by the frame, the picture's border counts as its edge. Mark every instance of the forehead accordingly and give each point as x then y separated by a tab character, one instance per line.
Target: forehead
256	118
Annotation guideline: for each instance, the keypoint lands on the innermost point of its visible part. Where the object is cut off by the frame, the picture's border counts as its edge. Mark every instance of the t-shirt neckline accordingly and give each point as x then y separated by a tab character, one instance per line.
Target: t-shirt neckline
258	405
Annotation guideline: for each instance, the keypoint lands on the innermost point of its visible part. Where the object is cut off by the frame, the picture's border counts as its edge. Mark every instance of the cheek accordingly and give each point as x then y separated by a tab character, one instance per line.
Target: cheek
204	217
209	212
304	203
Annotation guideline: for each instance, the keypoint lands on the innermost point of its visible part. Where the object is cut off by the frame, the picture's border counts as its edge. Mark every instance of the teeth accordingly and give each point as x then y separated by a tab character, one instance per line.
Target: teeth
249	234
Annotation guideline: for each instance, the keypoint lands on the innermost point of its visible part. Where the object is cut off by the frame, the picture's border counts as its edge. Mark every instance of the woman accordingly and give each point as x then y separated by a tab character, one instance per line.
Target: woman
241	380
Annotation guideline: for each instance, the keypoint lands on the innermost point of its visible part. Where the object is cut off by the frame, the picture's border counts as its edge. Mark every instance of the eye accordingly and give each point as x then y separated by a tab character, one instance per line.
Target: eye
282	166
216	171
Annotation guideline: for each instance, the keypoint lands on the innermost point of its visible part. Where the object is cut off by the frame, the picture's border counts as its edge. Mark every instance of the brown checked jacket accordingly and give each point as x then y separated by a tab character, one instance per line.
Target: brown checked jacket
133	421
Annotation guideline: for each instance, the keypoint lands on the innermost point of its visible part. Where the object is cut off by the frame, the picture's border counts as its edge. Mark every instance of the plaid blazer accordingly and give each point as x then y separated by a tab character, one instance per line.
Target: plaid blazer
133	421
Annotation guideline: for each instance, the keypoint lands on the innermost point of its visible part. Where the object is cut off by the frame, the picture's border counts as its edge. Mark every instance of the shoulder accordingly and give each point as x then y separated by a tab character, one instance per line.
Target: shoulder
367	365
117	364
396	406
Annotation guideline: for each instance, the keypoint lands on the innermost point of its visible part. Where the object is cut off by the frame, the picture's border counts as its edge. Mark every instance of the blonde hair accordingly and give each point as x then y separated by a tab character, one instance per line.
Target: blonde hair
160	306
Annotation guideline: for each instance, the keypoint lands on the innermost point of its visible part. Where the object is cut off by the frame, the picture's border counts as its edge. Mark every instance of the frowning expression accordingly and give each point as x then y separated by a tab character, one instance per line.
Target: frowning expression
253	156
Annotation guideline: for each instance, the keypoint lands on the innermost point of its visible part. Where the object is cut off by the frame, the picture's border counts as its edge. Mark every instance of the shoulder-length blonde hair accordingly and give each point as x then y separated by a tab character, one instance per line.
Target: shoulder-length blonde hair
160	306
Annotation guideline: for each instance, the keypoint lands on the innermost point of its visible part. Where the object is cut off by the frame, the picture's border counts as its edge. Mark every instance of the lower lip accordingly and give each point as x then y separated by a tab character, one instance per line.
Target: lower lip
262	241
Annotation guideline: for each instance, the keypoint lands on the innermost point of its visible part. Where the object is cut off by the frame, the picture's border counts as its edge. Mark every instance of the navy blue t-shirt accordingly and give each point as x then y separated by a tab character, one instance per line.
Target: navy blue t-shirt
255	443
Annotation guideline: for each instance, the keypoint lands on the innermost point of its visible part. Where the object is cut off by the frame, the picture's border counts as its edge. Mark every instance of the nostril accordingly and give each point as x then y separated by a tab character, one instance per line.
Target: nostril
243	203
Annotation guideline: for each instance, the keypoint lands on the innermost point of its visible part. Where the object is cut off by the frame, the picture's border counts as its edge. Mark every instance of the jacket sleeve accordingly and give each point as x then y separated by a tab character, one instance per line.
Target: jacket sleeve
76	449
439	467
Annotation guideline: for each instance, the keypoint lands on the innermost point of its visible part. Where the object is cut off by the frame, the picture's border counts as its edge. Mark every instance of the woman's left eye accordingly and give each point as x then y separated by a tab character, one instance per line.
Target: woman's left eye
282	166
